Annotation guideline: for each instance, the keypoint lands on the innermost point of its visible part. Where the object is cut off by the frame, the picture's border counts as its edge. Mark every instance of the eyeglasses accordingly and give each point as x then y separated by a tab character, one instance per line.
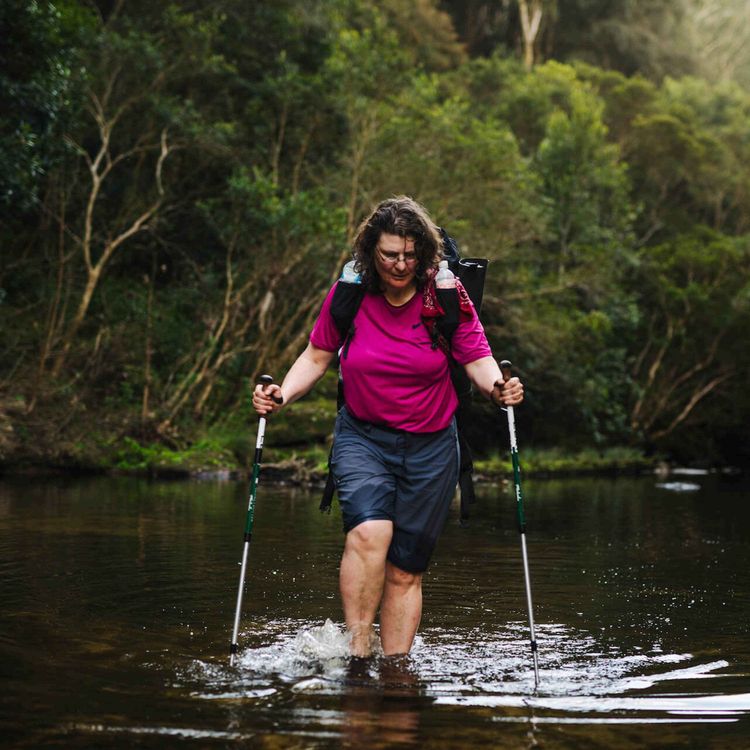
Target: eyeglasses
390	259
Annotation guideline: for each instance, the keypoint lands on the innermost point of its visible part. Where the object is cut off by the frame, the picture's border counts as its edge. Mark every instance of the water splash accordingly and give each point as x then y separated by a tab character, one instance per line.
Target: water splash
321	644
303	657
319	649
578	673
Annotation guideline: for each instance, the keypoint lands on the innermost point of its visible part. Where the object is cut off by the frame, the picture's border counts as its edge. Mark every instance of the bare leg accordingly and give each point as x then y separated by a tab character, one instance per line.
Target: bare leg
361	579
401	609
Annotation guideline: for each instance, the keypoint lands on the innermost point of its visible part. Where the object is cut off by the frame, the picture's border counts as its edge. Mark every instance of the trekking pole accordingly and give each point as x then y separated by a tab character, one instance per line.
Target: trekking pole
505	367
264	380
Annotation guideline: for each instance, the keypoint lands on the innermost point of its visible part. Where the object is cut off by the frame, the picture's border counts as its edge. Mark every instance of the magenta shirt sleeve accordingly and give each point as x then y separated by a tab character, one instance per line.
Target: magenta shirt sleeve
324	334
469	342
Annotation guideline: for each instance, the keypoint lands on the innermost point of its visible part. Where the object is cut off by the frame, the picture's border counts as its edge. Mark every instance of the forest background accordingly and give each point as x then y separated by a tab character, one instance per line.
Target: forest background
180	183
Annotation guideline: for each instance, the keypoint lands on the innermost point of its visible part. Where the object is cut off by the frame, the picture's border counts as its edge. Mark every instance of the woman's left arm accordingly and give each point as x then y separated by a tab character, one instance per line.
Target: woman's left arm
485	374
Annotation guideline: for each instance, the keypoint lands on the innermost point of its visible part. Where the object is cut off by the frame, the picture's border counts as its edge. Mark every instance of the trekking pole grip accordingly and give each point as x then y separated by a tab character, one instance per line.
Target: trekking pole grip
505	369
268	380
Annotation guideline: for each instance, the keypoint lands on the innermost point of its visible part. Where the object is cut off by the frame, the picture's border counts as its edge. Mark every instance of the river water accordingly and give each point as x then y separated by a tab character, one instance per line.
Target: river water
117	597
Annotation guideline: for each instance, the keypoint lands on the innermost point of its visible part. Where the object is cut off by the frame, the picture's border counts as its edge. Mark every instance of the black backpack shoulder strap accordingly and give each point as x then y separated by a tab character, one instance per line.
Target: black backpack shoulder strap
347	299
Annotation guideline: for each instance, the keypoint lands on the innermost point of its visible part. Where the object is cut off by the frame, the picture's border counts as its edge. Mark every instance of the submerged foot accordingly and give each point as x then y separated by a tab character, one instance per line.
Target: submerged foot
358	670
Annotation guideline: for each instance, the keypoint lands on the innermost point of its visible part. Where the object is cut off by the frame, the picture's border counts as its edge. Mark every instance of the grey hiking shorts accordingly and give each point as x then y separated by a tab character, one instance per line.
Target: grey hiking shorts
403	477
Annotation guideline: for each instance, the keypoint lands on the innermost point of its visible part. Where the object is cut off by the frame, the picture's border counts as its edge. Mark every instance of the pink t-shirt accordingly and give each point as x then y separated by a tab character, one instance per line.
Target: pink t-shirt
392	375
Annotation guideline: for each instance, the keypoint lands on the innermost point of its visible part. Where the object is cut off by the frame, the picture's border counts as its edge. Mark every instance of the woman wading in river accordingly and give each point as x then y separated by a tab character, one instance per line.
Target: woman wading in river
395	453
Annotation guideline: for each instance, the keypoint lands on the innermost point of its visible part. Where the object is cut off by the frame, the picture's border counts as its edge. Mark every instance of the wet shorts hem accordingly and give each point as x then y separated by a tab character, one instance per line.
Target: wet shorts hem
407	566
370	515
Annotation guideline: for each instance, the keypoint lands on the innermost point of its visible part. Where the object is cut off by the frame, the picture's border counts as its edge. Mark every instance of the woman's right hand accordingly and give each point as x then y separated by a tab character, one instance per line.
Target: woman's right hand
263	399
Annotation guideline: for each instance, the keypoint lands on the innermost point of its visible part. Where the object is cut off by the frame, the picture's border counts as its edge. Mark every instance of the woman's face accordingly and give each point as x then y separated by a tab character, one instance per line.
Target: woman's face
395	261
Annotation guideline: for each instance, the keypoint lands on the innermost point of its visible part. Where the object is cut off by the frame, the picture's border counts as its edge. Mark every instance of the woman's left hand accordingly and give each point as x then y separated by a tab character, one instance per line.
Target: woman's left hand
507	393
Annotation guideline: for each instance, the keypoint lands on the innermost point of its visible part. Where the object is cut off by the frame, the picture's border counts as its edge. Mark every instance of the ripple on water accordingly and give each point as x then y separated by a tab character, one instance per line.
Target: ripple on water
480	669
576	675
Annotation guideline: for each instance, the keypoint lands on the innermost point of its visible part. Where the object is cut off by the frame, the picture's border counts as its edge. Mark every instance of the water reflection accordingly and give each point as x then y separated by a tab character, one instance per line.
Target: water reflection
116	598
381	704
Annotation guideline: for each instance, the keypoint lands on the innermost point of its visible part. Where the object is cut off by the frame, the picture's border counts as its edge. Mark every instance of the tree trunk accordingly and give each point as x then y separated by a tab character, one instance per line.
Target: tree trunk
531	19
99	168
149	349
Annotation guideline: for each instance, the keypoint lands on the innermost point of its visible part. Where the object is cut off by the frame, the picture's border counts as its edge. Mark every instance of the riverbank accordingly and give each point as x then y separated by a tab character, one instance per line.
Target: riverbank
48	440
209	459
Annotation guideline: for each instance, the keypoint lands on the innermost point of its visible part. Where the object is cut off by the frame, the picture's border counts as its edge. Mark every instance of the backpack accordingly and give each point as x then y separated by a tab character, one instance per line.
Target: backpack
344	306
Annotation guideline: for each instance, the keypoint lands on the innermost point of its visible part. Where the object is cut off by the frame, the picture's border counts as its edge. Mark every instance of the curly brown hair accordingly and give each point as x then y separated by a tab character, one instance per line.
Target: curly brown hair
404	217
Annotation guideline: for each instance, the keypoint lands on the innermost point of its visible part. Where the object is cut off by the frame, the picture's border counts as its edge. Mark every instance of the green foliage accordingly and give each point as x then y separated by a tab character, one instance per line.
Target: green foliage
553	461
585	183
427	131
38	95
613	201
202	456
655	38
693	294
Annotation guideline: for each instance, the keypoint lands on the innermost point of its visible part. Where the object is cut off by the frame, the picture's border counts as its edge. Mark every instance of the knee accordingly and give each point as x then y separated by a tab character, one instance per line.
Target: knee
401	578
370	536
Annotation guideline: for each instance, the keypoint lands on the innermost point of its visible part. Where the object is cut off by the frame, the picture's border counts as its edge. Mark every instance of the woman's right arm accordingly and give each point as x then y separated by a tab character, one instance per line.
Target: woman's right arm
307	370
